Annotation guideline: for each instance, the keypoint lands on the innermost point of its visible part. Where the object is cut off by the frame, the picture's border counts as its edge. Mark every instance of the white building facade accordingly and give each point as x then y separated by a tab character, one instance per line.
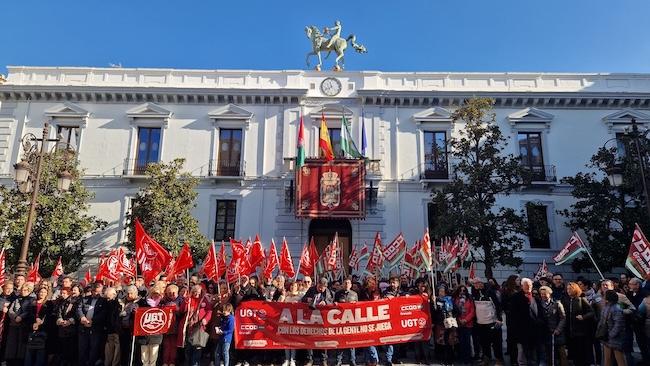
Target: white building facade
237	130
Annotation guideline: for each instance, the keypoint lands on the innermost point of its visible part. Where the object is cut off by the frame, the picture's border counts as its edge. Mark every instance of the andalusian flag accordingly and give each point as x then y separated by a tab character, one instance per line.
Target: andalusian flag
324	140
347	145
300	154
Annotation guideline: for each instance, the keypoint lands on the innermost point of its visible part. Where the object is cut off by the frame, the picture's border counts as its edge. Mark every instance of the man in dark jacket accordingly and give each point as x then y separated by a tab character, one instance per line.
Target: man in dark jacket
318	296
346	295
92	322
113	326
528	324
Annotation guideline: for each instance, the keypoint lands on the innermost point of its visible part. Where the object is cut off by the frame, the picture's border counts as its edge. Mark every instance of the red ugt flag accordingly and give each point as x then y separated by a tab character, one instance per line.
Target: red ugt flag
58	269
308	259
152	257
33	275
256	253
271	260
286	263
183	261
152	321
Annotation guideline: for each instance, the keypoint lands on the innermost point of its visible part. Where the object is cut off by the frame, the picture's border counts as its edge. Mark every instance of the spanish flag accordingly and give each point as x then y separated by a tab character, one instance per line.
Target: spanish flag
324	140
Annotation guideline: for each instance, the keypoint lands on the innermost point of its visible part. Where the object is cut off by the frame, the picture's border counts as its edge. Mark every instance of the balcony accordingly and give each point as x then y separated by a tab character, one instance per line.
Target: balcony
435	172
134	168
541	173
226	169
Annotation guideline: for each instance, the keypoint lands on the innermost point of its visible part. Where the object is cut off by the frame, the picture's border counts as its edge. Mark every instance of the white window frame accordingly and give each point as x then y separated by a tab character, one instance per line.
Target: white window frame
213	212
550	219
230	116
434	119
147	115
68	115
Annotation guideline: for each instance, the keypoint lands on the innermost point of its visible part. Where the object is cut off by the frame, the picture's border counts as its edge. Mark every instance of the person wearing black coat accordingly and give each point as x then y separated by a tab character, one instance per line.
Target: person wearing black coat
91	312
528	325
318	296
579	326
6	298
66	321
19	327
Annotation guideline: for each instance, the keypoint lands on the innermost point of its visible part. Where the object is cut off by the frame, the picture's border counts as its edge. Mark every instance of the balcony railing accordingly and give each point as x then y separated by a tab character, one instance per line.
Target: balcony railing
134	167
541	173
435	172
226	168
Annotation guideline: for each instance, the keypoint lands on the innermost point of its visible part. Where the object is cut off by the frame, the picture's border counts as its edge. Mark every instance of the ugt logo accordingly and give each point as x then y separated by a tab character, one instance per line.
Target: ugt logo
153	321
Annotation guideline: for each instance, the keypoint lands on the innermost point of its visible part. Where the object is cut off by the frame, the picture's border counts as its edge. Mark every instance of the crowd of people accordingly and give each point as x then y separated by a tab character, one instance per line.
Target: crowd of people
545	322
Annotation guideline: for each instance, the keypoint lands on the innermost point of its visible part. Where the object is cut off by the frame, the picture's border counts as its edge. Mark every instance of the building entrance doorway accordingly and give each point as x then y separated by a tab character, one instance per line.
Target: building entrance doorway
323	231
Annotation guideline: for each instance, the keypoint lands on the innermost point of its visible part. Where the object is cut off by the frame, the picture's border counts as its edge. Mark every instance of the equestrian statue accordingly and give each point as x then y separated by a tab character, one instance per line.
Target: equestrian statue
335	43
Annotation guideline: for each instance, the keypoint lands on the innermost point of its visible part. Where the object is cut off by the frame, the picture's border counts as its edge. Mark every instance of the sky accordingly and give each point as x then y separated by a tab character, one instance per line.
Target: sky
433	35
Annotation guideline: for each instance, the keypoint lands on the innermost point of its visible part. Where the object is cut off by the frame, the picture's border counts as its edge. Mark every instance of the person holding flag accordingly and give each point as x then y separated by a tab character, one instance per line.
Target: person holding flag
489	321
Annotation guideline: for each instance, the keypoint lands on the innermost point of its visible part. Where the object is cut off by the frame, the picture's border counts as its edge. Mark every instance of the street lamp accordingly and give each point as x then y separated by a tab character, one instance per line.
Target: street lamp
28	180
615	173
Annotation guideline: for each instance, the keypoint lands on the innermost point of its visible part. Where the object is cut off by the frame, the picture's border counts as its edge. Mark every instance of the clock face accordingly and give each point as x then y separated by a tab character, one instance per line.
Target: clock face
330	87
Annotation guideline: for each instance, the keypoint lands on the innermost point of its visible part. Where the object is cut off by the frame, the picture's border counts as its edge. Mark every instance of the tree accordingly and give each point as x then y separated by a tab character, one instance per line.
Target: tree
61	222
482	172
164	208
607	214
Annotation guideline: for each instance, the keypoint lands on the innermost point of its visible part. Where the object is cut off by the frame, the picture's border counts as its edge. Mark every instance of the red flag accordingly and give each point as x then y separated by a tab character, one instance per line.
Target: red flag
151	321
271	261
58	270
332	255
209	268
571	249
3	267
256	256
472	271
638	257
238	250
183	261
221	260
110	268
125	266
88	277
33	275
233	271
286	263
152	257
239	255
308	259
376	259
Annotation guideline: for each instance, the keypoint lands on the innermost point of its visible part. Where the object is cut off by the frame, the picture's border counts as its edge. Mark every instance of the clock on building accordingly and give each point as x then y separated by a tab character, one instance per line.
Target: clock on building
330	86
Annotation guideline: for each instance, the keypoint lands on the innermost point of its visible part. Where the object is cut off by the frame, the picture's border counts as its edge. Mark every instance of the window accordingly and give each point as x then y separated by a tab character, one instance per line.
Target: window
225	224
229	152
68	135
335	139
432	213
435	155
530	151
538	231
621	146
148	148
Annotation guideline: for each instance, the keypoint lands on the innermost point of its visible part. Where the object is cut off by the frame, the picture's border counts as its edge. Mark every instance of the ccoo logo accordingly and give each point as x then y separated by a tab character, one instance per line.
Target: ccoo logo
153	321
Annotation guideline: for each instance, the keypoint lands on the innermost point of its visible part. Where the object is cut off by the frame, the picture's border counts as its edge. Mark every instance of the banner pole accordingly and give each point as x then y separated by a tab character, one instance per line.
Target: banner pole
132	350
594	262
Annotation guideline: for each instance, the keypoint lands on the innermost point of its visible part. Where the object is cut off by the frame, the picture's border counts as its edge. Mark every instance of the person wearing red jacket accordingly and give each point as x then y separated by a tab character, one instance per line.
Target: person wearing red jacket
195	314
465	310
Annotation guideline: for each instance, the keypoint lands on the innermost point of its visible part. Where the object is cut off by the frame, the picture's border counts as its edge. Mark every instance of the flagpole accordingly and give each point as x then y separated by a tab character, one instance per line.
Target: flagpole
592	260
295	278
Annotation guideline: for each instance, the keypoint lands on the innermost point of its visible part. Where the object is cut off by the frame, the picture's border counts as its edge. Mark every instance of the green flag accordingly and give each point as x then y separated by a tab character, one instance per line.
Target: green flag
300	154
348	146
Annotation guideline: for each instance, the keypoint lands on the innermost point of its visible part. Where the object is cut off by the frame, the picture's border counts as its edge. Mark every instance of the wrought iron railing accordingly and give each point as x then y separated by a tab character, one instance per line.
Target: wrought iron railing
541	173
226	168
134	167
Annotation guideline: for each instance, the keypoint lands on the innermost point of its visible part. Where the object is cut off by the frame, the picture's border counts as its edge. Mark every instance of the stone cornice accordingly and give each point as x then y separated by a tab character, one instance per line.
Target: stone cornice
141	95
579	100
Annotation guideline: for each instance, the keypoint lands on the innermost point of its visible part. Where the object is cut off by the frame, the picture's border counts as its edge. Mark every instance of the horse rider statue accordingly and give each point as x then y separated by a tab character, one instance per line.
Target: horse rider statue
335	43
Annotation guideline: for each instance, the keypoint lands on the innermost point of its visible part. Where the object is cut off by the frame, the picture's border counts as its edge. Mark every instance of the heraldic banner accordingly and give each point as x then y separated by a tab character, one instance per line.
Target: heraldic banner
331	189
280	325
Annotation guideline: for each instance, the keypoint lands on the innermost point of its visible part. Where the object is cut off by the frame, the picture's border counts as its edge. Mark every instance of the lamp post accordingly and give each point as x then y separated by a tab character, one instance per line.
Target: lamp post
615	173
29	181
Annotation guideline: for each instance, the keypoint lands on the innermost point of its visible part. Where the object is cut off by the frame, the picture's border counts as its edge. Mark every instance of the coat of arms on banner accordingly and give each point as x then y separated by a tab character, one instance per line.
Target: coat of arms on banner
330	189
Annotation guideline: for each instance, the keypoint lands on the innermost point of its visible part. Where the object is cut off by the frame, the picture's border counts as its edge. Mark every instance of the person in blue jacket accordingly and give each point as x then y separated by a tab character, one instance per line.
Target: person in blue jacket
224	331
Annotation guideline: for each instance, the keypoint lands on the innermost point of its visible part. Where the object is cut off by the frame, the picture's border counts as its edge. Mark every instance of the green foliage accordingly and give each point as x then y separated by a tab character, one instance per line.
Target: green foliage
164	207
482	172
60	223
607	214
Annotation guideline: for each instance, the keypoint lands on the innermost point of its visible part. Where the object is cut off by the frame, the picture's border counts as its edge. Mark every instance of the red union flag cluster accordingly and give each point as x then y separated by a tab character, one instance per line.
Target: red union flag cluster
638	257
151	256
